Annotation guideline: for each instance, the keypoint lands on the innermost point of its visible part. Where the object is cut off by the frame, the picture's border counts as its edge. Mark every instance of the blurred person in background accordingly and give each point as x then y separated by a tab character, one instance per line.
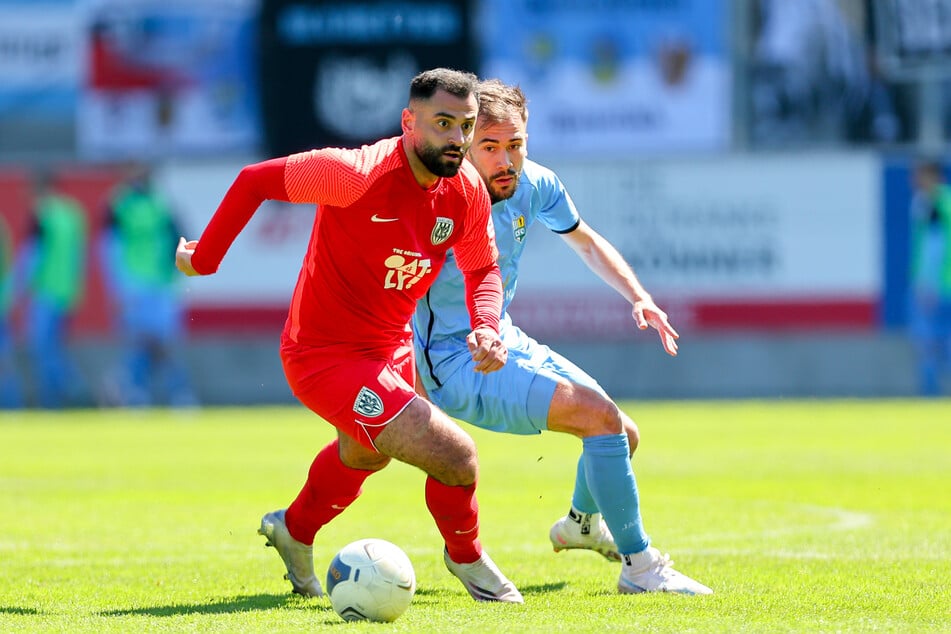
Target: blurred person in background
930	273
10	390
52	263
538	389
140	233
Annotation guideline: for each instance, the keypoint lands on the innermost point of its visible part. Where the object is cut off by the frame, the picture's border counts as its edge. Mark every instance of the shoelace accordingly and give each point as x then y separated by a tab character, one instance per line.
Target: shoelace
662	564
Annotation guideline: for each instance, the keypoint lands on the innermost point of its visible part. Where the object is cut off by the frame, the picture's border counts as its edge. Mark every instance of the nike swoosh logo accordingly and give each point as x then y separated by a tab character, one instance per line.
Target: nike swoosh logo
376	218
466	532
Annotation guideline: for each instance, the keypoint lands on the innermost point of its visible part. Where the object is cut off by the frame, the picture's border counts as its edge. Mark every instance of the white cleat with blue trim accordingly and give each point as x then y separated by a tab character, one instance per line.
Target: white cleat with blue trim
651	571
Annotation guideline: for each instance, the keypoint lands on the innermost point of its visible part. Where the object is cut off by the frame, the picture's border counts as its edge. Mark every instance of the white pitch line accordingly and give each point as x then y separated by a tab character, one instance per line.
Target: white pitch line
838	519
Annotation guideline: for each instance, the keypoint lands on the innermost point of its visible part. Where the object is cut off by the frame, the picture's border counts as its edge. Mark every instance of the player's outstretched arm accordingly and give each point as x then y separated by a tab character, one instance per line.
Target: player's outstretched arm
602	258
253	185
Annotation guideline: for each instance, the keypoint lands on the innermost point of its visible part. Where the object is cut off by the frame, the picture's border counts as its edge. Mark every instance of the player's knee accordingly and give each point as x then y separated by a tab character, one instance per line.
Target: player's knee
452	457
605	416
464	474
355	456
462	469
632	432
374	462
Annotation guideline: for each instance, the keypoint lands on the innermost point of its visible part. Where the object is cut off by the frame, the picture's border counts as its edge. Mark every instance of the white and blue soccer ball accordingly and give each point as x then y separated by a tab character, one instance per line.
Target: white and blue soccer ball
370	580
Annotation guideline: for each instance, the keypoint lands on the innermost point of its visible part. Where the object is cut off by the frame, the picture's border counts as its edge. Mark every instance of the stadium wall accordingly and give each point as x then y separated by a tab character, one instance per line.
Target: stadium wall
247	370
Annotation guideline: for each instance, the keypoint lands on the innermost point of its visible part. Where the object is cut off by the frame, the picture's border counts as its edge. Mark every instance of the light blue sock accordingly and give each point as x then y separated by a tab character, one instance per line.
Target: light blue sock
608	472
581	499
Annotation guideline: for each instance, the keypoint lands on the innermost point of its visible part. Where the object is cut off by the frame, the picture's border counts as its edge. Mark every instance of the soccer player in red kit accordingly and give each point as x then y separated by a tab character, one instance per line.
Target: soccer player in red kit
386	215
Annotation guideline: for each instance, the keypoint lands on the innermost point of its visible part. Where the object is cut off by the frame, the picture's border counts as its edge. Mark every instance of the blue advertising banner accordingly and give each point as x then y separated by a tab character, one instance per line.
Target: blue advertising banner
899	189
896	201
614	76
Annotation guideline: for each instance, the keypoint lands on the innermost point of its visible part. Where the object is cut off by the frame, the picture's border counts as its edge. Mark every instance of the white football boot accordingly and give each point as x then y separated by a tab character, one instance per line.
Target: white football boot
651	571
298	558
586	531
484	580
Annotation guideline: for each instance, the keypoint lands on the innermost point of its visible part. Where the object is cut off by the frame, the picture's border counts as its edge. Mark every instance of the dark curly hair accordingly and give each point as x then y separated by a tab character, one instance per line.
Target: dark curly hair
456	82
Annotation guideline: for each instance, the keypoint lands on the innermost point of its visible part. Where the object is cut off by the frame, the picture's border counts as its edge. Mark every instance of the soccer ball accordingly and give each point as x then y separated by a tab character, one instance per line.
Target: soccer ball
370	580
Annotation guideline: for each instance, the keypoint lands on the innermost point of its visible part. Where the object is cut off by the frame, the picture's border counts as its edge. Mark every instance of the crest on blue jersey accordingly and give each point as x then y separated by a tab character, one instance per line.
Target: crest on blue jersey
368	403
518	228
442	230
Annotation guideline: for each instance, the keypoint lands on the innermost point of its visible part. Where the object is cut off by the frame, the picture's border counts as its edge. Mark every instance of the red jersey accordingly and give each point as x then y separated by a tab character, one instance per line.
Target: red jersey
378	240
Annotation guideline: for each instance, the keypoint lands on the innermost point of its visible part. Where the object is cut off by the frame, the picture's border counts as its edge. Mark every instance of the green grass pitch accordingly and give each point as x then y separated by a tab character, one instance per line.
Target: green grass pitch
803	516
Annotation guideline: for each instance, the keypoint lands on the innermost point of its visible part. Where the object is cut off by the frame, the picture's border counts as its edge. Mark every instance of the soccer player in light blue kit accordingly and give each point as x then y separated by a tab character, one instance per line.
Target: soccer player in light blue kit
538	389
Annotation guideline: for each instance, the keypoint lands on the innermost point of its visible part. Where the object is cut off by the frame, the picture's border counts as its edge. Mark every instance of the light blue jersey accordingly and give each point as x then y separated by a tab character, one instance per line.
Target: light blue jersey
516	398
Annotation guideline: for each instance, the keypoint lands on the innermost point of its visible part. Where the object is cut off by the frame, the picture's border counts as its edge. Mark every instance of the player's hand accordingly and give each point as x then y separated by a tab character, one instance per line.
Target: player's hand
487	350
646	313
183	256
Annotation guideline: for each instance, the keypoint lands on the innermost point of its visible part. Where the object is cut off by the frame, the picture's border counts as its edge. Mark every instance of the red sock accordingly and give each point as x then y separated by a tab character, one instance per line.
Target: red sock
456	512
330	488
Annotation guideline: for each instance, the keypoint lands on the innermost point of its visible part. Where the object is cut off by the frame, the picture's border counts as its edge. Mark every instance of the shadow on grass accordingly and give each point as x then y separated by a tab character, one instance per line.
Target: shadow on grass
255	602
433	596
6	609
542	588
222	606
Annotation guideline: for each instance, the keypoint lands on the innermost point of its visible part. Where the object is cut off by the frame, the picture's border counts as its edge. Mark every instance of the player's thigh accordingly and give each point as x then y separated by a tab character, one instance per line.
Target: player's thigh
515	399
358	396
501	401
424	436
579	405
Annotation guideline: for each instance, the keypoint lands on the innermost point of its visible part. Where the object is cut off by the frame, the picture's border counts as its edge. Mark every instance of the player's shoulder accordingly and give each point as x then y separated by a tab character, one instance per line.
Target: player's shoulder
469	175
540	176
539	183
383	148
468	182
384	153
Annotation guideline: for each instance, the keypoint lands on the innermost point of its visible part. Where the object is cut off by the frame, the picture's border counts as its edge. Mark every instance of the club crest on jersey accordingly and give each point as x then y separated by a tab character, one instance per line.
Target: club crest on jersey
518	228
368	403
442	230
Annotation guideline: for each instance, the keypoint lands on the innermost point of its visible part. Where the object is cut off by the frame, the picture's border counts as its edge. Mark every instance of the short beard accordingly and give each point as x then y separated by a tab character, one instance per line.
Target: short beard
432	158
494	197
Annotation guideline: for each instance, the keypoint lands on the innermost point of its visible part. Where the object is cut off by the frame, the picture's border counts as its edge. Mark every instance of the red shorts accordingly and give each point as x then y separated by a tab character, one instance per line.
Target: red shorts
356	393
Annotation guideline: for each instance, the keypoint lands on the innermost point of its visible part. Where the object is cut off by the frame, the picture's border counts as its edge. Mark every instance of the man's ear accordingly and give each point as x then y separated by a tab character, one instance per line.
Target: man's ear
408	121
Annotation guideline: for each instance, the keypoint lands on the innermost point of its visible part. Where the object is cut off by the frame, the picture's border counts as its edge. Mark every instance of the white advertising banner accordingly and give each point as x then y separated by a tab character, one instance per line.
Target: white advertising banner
719	241
705	235
260	269
749	226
